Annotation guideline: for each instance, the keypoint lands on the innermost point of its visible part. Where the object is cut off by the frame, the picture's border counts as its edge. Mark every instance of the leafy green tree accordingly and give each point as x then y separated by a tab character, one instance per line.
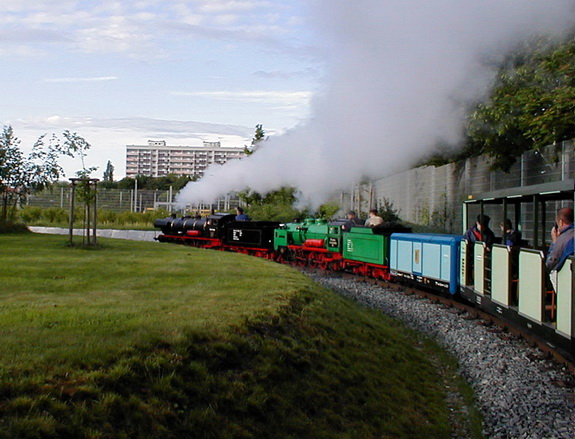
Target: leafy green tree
278	205
274	206
164	183
531	105
249	197
125	183
275	212
77	145
20	174
86	188
388	212
108	177
258	137
327	210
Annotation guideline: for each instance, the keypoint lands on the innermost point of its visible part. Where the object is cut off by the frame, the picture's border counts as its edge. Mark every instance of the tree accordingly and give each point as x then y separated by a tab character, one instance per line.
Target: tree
20	174
108	176
274	206
258	137
387	212
77	145
531	105
87	187
328	210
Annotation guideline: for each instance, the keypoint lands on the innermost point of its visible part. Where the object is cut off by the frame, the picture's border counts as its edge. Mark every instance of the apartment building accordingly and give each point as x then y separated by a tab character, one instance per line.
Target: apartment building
157	159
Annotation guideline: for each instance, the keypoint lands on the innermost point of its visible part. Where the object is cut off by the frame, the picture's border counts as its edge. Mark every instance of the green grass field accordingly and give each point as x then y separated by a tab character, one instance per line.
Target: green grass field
146	340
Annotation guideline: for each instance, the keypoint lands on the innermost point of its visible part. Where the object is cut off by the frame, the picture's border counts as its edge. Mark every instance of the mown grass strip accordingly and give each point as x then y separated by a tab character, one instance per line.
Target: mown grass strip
158	341
62	303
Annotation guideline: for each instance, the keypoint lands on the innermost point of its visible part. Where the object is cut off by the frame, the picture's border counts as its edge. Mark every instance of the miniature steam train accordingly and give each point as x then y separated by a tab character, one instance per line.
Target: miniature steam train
313	242
443	263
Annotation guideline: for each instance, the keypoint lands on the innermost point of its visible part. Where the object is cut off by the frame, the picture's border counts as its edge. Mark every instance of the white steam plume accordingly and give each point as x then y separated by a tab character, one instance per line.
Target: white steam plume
399	72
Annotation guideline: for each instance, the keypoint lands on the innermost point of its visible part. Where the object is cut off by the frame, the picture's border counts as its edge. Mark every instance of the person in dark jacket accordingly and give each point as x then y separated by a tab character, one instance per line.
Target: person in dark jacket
352	220
480	231
240	215
510	237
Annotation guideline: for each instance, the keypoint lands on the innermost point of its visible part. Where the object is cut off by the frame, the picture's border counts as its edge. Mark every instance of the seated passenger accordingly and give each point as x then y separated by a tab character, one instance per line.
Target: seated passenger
352	220
240	215
562	243
510	237
374	219
480	231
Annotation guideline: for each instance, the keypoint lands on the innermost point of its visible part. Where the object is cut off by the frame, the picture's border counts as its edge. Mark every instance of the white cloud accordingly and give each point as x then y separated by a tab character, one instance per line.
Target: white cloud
139	28
215	6
254	96
88	79
32	35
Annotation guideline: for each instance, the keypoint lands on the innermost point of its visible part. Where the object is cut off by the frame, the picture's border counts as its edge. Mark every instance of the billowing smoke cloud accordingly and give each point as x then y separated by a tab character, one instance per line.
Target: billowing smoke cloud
399	73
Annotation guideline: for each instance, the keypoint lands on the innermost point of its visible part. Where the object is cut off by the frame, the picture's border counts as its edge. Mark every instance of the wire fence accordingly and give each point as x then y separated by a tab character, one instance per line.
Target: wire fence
133	200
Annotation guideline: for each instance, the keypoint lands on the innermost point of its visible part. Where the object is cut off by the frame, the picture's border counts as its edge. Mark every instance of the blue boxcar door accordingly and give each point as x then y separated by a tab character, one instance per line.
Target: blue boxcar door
404	256
432	260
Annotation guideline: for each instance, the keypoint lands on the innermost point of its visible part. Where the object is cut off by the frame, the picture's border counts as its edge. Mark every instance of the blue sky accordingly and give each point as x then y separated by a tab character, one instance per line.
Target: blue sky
123	72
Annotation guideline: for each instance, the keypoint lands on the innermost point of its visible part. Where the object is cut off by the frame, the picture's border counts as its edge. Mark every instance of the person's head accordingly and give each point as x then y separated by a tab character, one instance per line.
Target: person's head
239	210
350	214
373	212
564	217
506	225
483	222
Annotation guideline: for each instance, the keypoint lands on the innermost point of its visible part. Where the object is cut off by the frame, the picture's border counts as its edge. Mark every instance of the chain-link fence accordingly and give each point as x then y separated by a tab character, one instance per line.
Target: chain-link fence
433	196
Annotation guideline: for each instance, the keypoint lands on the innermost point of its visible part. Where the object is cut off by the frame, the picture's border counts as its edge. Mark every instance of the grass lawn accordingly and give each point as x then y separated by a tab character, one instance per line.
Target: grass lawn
146	340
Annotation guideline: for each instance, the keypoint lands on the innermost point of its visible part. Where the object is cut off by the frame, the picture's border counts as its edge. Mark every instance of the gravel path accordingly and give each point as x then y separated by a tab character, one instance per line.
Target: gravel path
520	393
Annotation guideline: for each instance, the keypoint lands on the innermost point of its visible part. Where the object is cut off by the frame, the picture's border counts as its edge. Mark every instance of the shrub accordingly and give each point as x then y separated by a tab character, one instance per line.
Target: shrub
129	218
55	215
30	214
107	216
151	215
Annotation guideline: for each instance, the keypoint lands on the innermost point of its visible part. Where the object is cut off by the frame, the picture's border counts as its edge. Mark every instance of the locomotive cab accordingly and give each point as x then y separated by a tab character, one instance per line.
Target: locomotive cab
215	224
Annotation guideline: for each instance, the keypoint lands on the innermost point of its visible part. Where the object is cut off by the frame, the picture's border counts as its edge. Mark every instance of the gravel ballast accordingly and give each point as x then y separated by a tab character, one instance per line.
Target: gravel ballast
520	392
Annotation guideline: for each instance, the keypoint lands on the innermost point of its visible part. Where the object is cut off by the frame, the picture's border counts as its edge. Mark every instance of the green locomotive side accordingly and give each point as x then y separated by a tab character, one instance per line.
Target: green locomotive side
361	244
317	230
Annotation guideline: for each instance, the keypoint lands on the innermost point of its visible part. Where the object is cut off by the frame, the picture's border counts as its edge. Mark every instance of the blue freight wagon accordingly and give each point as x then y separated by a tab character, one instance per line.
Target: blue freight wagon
425	259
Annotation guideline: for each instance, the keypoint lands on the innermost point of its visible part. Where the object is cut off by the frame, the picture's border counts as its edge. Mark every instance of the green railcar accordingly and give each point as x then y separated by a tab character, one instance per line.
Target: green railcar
366	250
361	244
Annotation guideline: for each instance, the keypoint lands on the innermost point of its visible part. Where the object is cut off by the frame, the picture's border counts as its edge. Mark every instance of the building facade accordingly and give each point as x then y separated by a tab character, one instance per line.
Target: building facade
157	159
